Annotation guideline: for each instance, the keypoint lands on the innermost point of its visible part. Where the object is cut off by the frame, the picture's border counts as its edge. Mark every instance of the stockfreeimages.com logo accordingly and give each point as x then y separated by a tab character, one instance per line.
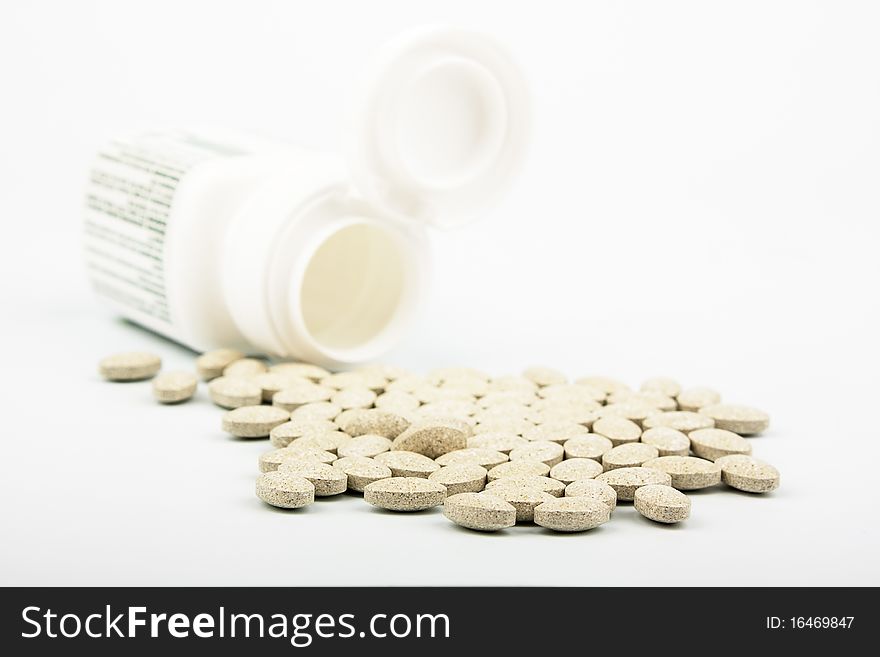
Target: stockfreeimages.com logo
299	629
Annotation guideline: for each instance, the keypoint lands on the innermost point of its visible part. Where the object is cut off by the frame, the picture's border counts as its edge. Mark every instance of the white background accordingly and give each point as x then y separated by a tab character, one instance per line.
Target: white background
701	201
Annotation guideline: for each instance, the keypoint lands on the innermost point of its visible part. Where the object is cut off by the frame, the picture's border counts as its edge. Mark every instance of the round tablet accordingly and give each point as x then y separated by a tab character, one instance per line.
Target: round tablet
174	387
367	445
520	468
462	478
539	450
361	471
523	498
434	437
130	366
405	494
748	474
630	455
480	511
253	421
556	432
497	440
662	503
693	399
286	433
407	464
571	514
687	472
684	421
588	446
625	481
573	469
326	479
231	392
712	444
597	490
669	442
488	458
739	419
285	491
545	484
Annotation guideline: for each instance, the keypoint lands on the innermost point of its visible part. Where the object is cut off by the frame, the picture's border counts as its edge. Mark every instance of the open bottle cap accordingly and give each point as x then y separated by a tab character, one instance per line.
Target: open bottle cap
442	126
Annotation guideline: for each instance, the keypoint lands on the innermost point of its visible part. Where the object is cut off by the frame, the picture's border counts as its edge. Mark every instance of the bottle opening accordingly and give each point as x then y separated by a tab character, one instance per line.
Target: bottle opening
355	291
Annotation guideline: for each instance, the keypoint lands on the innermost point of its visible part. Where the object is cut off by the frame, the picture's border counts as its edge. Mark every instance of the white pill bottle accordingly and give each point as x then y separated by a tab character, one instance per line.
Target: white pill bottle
219	240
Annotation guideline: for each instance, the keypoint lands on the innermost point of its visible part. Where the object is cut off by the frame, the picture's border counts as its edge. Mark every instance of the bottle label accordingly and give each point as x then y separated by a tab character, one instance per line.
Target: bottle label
128	203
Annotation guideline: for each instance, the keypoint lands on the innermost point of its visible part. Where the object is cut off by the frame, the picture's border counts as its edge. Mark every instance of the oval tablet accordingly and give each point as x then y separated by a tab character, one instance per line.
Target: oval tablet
522	498
434	437
361	471
669	442
539	450
687	472
629	455
588	446
497	440
372	421
463	478
571	514
480	511
292	398
231	392
488	458
286	433
245	368
367	445
712	444
253	421
662	385
684	421
544	484
625	481
748	474
662	504
129	366
174	387
739	419
326	479
597	490
556	432
211	364
573	469
271	460
693	399
407	464
285	491
405	494
520	468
